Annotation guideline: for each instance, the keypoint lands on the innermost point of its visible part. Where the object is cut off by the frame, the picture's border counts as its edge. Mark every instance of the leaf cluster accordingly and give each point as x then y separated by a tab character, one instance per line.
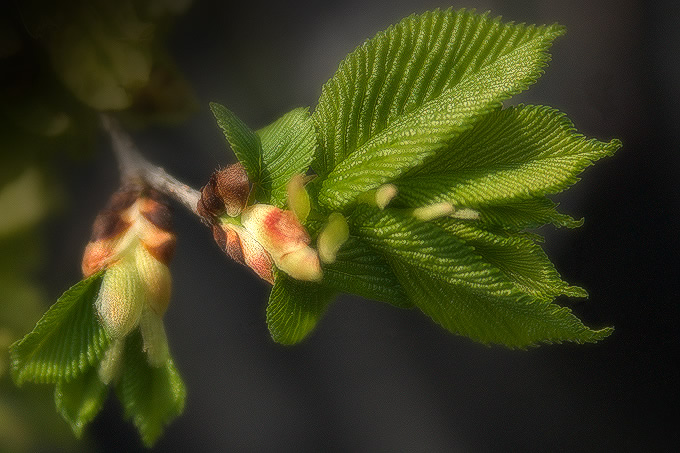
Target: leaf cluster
65	349
419	106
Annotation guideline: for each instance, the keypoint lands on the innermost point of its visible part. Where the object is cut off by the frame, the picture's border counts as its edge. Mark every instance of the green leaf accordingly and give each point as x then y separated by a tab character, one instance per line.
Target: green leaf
360	270
151	397
295	307
517	215
512	320
403	94
428	247
81	399
517	153
244	142
288	146
66	341
519	257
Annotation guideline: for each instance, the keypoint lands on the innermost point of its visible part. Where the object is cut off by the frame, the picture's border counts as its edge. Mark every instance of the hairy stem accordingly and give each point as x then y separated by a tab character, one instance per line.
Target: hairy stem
135	168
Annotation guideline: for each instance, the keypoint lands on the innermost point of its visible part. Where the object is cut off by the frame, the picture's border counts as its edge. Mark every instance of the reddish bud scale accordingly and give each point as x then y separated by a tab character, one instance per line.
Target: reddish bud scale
112	224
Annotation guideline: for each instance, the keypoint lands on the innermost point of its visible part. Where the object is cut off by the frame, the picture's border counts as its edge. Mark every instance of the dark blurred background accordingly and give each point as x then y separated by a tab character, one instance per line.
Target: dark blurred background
373	378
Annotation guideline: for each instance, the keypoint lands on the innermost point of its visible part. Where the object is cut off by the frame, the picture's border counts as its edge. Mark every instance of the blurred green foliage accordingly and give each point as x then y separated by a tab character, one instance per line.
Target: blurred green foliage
61	63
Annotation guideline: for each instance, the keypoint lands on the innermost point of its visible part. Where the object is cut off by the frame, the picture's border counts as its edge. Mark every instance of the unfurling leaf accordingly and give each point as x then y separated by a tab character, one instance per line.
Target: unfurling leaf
151	396
295	307
80	400
66	341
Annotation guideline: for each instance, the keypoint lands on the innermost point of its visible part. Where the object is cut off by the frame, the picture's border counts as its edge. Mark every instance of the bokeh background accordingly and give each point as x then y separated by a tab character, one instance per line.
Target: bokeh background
373	378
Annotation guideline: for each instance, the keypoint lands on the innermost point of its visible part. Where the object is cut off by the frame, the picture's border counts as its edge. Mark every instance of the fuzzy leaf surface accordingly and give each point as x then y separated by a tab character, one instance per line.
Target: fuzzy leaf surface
80	400
403	94
66	340
288	146
507	319
151	397
516	153
295	307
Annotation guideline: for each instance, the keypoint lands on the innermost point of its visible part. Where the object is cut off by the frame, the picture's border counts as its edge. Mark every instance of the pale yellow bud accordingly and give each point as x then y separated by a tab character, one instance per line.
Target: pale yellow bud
433	211
332	236
121	298
465	214
380	197
298	198
384	194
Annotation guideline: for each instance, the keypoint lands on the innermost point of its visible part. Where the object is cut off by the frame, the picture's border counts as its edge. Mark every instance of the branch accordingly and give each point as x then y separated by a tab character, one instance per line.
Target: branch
135	168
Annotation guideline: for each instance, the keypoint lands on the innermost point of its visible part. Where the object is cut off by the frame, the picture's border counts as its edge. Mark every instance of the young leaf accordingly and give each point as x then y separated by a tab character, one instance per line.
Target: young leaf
65	342
360	270
295	307
428	247
513	320
244	142
403	94
288	145
522	152
151	397
81	399
517	215
519	257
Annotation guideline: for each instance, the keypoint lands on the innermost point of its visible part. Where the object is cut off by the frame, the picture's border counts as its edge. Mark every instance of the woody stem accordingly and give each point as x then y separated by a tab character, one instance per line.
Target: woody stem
134	168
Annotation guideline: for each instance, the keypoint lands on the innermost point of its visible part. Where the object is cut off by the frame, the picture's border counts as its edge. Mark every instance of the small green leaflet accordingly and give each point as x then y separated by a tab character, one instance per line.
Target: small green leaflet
295	307
151	397
245	144
273	154
288	146
66	341
517	255
80	400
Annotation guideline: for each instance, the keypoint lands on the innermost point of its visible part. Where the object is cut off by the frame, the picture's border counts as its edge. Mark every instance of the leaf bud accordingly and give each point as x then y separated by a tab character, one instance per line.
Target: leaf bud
285	239
433	211
132	241
332	236
227	191
298	198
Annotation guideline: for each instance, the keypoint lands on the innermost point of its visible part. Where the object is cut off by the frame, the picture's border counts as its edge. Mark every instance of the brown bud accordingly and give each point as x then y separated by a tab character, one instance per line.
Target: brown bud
233	188
108	225
157	213
227	191
209	205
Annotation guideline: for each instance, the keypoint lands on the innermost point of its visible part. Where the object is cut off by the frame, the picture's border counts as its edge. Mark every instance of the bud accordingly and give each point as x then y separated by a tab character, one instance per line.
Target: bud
133	242
465	214
227	191
433	211
242	247
334	234
281	237
380	197
298	198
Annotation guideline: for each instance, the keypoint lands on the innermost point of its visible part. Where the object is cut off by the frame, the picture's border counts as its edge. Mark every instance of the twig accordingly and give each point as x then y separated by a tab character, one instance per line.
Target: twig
135	168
